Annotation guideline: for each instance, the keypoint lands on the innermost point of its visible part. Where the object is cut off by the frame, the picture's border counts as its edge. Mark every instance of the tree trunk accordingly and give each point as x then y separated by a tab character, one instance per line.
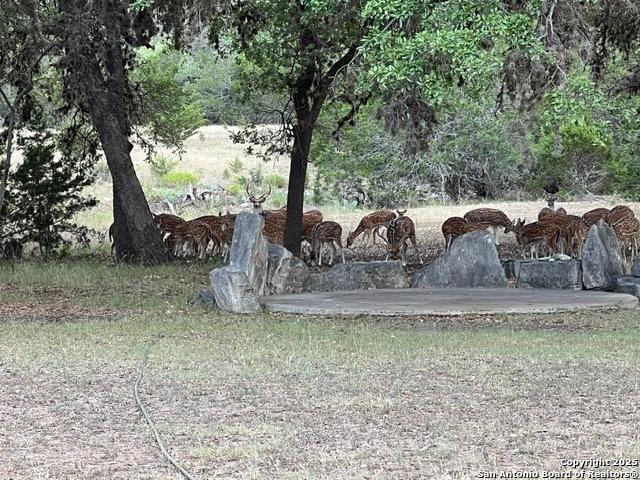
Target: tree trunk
7	164
295	195
136	236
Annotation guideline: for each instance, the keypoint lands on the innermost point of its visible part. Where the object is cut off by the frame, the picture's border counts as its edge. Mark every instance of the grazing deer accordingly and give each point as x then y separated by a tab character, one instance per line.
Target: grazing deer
575	234
492	218
371	225
624	222
534	235
454	227
222	229
192	237
330	233
167	223
257	201
594	216
400	230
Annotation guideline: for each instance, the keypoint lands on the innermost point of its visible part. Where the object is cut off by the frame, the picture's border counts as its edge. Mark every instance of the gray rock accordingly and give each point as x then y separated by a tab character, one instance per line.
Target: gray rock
635	268
204	297
286	273
237	286
471	261
628	287
233	291
563	274
602	260
360	276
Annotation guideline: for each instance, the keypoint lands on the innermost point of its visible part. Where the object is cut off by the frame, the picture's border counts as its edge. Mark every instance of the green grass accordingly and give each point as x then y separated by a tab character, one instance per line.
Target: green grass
277	396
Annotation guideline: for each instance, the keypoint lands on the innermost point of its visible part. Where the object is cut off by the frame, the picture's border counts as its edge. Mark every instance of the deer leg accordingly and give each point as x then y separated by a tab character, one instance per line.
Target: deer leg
333	251
415	247
341	248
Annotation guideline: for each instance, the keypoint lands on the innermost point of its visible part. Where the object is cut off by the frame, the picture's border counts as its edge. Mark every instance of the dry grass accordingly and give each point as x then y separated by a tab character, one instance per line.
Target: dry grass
284	397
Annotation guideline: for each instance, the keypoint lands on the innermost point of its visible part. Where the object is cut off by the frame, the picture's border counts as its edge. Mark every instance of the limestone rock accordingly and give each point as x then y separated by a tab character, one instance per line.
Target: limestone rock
286	273
602	260
237	286
360	276
550	274
471	261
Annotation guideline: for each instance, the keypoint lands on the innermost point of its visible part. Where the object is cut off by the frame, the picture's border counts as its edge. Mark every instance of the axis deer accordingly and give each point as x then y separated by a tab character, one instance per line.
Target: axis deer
222	229
492	218
454	227
327	232
257	201
167	223
576	234
371	225
594	216
192	237
534	235
400	231
624	222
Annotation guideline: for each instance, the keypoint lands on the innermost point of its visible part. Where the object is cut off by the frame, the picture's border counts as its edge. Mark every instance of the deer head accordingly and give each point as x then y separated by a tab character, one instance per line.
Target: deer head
516	227
257	201
401	212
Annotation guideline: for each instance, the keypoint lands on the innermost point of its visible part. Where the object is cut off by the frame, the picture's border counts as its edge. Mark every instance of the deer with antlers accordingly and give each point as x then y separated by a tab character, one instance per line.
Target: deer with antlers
400	231
326	233
371	225
257	202
454	227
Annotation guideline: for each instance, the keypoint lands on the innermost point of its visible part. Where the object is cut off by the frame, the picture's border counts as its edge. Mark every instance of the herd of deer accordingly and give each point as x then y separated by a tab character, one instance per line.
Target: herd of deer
554	232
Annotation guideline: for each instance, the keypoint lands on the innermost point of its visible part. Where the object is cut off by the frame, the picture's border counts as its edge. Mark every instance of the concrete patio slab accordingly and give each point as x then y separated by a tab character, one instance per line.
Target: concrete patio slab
446	301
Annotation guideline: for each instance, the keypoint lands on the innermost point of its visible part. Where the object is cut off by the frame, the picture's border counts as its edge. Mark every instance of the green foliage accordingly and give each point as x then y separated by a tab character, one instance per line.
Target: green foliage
436	47
180	179
171	112
276	180
161	165
46	191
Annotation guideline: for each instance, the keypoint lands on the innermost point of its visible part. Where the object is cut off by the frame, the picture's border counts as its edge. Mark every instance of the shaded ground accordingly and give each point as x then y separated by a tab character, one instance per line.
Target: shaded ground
281	397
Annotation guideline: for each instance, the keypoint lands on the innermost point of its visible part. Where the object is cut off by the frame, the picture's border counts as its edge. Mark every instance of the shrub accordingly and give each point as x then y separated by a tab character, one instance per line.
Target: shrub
45	193
180	179
276	181
161	165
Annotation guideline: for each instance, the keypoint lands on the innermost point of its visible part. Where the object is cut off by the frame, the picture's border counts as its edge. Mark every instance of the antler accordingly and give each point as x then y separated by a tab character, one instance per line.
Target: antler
246	187
264	196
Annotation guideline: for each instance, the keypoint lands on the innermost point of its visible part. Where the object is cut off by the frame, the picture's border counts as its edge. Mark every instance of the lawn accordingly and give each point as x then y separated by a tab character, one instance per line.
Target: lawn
287	397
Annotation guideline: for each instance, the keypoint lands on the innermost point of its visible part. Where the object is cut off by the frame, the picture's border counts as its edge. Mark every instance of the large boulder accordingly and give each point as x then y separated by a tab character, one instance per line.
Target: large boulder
635	268
360	276
563	274
628	284
602	260
286	273
471	261
237	286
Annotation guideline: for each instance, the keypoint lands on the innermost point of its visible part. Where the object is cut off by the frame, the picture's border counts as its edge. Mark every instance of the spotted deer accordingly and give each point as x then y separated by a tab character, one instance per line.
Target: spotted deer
454	227
326	233
257	202
492	218
534	235
594	216
192	237
624	222
400	231
371	225
167	223
222	230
